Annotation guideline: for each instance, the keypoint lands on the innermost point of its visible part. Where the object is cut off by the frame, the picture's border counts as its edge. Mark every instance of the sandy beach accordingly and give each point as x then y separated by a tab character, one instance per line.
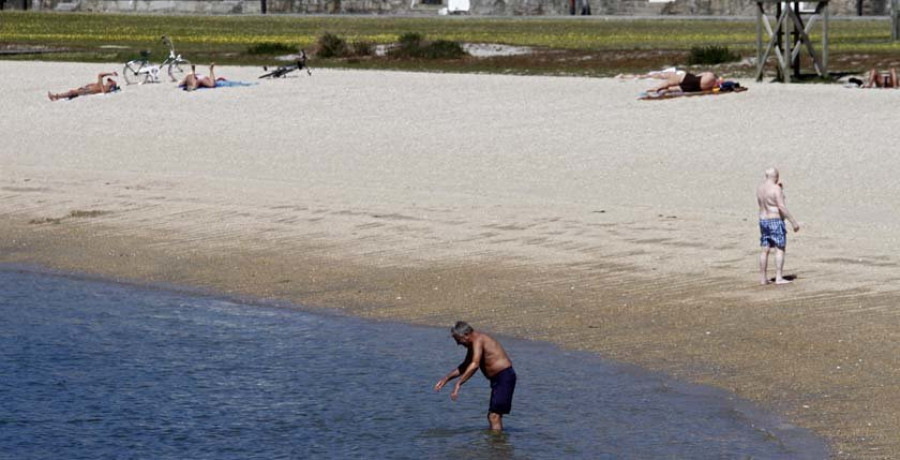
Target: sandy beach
549	208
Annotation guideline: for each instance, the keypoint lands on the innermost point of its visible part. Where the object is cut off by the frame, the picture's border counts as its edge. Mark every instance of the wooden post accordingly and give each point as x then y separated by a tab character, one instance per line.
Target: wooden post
760	59
825	39
895	20
795	35
786	43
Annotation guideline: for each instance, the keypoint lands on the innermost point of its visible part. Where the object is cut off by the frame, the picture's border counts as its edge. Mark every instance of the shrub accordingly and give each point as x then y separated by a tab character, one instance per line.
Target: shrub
363	48
413	45
331	46
712	54
443	49
271	48
409	45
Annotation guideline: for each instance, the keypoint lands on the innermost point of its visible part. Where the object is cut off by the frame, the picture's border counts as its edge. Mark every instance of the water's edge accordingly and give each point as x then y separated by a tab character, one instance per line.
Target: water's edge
791	437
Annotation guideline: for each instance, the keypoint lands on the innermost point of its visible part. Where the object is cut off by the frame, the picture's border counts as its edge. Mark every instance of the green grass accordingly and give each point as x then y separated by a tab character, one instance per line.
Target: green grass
588	46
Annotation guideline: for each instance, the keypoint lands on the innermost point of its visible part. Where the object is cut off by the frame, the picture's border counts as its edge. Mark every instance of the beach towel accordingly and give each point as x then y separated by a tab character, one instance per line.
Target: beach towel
232	83
646	96
222	83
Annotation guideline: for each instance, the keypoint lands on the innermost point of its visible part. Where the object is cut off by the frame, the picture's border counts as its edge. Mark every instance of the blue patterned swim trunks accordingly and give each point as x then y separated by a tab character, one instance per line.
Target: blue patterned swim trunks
773	233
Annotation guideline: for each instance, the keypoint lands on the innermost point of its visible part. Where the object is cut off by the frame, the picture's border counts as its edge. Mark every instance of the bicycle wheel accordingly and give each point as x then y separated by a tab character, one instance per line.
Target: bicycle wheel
178	68
132	73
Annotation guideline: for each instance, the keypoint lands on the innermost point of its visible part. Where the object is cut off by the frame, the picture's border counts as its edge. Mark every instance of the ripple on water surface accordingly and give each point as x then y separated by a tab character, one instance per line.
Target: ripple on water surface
100	370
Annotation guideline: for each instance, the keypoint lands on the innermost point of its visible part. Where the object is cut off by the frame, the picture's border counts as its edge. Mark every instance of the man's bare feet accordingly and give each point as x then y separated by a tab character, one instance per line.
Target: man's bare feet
782	281
764	282
52	96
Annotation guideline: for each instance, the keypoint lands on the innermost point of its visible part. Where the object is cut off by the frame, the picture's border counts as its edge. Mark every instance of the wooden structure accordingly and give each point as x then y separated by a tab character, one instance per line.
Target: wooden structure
895	20
789	35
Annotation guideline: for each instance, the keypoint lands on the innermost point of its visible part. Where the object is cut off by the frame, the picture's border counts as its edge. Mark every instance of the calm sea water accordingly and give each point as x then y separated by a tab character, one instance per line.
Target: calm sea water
94	370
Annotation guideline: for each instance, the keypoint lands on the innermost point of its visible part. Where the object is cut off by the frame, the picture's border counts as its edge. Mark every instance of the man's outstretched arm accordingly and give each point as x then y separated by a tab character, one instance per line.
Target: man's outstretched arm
468	368
450	376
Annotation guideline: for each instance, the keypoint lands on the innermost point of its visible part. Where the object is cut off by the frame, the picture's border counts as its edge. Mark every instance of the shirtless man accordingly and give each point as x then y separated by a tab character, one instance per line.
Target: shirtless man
687	82
91	88
485	353
772	212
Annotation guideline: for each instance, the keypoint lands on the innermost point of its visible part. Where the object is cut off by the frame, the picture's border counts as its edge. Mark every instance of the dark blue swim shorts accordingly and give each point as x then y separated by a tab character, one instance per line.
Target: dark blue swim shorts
502	387
772	233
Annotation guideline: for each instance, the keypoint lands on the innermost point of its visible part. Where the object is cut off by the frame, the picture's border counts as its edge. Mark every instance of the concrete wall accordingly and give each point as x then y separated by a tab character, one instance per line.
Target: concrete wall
478	7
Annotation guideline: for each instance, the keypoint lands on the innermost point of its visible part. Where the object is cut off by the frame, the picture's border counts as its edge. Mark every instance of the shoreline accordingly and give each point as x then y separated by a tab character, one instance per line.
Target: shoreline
732	358
800	442
432	198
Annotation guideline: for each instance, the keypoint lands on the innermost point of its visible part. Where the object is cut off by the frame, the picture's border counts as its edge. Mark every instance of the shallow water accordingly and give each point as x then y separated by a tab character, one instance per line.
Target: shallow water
101	370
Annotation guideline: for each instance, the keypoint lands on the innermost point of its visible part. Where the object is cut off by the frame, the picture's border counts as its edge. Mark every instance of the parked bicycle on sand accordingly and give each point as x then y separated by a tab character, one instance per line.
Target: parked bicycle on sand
141	71
280	72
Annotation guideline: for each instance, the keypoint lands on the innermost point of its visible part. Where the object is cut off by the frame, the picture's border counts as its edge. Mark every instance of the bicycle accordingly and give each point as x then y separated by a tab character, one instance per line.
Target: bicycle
141	71
280	72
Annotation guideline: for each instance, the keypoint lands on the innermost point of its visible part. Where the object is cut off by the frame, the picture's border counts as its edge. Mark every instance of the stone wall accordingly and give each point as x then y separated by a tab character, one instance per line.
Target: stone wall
478	7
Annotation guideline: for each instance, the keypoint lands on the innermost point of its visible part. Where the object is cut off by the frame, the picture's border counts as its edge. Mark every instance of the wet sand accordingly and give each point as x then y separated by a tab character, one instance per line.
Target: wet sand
557	209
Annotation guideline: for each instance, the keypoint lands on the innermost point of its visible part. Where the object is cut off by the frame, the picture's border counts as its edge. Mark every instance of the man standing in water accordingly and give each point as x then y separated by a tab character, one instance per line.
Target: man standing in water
772	212
485	353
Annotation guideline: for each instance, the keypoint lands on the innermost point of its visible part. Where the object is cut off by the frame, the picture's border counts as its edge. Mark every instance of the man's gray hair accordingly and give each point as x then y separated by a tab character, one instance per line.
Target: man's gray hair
461	328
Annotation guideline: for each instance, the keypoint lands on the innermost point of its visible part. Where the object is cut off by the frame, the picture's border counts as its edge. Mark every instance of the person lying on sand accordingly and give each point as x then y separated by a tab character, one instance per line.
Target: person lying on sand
878	79
663	74
194	80
100	87
687	83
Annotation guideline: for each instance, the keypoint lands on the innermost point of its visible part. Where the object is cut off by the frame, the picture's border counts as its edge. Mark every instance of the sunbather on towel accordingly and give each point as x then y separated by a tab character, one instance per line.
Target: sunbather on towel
688	83
194	80
882	79
100	87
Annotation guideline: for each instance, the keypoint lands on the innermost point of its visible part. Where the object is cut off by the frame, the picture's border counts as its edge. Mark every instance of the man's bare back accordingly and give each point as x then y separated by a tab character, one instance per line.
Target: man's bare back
772	213
770	197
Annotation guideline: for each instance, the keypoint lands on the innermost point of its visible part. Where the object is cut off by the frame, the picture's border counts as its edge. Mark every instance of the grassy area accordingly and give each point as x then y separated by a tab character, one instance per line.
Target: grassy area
583	46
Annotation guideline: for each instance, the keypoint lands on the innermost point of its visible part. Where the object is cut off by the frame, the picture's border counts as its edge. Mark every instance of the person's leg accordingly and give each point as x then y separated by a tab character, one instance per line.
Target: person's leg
211	81
763	265
191	79
70	94
496	421
894	78
669	82
779	267
870	79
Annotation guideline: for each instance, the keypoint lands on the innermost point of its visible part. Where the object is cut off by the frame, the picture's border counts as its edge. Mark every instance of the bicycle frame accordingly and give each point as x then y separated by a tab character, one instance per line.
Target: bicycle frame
142	71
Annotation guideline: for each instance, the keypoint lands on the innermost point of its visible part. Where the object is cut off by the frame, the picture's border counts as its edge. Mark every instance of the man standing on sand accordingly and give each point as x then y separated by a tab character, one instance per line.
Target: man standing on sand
486	353
772	212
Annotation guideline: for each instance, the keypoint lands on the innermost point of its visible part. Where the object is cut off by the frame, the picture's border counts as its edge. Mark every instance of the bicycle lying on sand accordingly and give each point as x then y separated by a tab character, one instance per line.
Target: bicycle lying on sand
286	69
141	71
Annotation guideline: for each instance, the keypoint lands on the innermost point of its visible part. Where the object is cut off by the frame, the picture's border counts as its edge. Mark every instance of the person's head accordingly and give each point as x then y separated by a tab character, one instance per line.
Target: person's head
461	332
111	85
772	174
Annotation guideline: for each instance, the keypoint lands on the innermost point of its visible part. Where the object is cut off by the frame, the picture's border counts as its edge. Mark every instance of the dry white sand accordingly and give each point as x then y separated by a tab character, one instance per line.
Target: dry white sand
414	169
458	158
